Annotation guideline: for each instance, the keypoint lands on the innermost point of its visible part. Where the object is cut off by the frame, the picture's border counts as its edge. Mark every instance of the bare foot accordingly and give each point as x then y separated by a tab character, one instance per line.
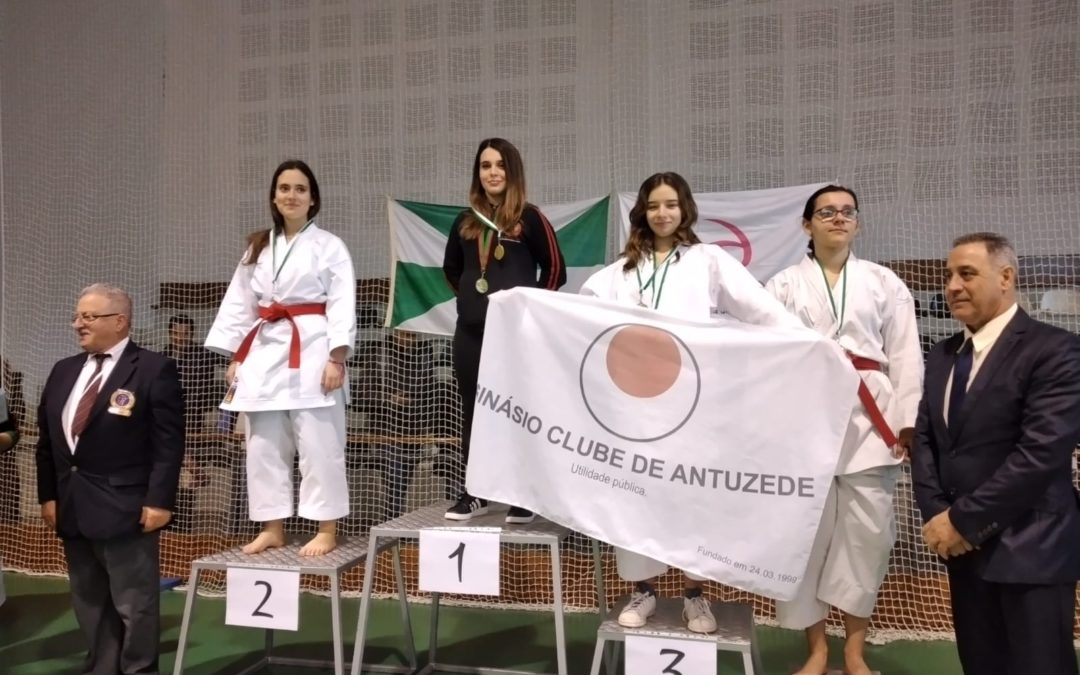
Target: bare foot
816	664
321	544
270	538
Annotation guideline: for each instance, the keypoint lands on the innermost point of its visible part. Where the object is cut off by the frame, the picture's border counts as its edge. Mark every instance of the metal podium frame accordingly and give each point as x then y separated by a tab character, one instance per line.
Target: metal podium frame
408	526
735	632
349	552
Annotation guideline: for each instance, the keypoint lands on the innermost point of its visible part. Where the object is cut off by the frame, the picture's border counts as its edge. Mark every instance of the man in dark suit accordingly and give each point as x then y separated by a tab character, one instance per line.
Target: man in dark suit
992	465
111	440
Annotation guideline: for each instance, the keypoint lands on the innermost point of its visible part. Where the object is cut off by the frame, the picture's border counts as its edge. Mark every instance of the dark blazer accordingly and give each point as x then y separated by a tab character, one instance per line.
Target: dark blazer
122	463
1004	466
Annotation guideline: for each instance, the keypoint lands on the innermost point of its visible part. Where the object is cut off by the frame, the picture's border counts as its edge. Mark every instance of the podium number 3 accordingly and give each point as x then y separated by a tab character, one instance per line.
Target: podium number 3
258	610
458	553
679	656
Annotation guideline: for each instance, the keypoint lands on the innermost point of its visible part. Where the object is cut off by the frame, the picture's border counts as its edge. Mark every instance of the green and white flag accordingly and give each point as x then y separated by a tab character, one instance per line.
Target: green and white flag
420	298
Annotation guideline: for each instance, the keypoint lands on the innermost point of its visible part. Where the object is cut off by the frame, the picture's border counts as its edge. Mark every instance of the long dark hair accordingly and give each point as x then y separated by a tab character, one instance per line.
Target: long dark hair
808	209
641	236
257	241
508	215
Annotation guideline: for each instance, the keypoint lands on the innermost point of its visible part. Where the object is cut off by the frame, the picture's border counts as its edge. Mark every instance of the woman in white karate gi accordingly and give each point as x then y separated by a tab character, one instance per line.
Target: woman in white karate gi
869	311
288	321
665	267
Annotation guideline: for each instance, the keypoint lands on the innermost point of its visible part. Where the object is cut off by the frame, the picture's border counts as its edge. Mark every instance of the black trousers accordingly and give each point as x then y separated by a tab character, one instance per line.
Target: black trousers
115	588
1013	629
467	343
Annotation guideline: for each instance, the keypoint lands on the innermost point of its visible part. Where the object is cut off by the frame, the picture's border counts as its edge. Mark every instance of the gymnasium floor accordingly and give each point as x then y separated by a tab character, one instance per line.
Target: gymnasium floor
38	636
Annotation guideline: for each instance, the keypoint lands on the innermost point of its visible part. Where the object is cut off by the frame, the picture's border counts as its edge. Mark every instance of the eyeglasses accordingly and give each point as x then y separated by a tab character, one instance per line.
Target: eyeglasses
86	317
829	213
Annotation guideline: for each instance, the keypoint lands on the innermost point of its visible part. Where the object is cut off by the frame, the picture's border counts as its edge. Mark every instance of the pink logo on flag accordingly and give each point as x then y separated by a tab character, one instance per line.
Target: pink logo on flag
640	383
741	241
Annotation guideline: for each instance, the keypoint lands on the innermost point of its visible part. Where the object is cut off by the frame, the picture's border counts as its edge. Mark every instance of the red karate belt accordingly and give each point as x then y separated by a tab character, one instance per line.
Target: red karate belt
872	409
277	312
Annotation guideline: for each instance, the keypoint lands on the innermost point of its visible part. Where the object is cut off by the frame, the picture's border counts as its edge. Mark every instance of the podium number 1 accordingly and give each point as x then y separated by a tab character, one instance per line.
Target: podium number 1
443	564
458	553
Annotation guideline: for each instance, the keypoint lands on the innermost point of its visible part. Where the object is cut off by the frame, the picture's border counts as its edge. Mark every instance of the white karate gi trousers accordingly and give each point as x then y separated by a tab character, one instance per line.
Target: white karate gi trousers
851	551
273	438
636	567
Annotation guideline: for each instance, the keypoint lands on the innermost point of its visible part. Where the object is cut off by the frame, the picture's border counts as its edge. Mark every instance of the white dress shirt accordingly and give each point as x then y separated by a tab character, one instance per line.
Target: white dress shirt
83	380
981	342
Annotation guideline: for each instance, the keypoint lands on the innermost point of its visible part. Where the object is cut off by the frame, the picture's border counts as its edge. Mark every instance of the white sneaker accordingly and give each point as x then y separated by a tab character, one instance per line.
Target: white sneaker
699	617
638	610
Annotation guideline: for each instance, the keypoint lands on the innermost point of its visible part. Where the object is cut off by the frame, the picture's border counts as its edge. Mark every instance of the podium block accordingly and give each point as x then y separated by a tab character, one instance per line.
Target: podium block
391	533
734	632
349	553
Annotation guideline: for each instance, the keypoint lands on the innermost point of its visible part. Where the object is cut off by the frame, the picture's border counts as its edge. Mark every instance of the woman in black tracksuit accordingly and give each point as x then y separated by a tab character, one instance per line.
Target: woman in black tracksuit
500	242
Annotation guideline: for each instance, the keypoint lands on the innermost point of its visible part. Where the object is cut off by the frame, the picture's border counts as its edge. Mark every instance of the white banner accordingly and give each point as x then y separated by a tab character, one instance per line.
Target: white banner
708	446
762	229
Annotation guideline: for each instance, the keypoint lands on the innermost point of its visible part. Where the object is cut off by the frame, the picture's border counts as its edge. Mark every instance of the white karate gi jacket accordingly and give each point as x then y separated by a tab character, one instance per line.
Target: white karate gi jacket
702	282
318	269
878	324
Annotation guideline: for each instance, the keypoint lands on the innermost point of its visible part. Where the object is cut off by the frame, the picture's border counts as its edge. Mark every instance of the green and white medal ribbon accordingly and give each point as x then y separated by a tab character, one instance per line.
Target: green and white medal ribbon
652	279
839	316
273	250
483	250
499	250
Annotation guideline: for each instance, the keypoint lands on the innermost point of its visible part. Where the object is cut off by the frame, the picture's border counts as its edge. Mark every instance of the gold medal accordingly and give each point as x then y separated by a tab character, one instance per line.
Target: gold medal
481	285
499	252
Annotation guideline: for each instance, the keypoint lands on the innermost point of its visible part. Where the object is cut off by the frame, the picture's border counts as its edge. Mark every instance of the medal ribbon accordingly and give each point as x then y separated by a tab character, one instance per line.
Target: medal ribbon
649	283
843	294
483	250
273	250
483	242
486	221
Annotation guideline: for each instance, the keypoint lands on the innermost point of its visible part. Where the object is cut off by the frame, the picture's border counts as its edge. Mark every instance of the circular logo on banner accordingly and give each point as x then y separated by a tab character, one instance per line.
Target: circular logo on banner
741	242
640	383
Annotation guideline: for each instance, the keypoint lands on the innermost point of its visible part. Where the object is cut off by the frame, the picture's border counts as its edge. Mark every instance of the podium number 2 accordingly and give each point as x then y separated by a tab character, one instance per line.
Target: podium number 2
679	656
258	610
262	598
458	553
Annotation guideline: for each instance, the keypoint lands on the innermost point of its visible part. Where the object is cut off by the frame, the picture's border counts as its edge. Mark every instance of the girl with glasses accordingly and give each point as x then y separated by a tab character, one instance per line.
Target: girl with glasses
869	311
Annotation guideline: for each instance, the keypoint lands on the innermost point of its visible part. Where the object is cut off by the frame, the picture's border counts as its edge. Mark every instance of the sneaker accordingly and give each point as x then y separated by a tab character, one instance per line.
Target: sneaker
467	507
519	516
698	615
638	610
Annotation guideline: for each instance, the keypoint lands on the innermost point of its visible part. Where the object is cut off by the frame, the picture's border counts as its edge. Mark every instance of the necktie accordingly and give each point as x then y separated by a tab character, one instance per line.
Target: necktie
961	371
82	412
